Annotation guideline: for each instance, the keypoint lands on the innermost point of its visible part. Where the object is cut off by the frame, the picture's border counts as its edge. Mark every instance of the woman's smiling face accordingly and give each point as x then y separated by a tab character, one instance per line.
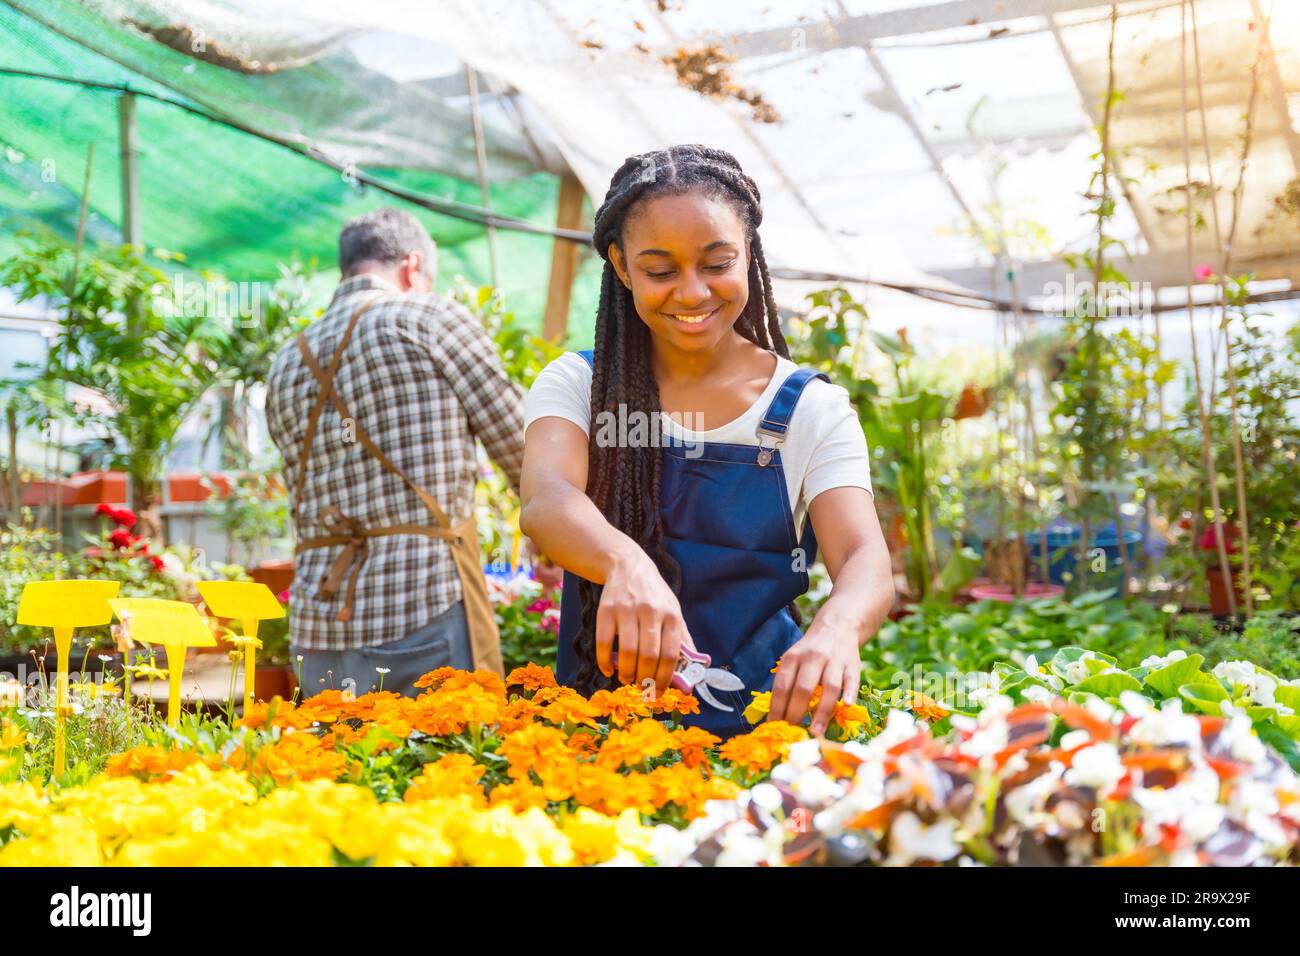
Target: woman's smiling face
686	261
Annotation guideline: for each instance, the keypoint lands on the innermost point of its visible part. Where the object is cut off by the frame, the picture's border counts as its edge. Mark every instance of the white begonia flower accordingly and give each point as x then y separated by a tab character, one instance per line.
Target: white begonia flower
995	708
1241	737
1099	709
900	725
816	787
1155	661
1192	804
742	845
1169	725
1254	805
805	753
1257	686
911	840
1025	803
765	796
1036	693
670	846
1135	704
987	740
1075	738
1077	671
1097	766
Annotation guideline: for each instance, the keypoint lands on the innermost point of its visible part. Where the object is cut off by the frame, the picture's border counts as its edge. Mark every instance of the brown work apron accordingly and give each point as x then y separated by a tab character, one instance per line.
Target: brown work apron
485	640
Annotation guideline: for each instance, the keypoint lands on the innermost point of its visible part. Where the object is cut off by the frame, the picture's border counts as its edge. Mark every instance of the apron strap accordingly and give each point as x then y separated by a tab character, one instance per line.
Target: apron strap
326	380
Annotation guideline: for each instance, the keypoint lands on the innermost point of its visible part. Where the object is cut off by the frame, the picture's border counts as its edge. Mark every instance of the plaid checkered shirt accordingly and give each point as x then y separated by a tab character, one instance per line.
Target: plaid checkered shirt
423	378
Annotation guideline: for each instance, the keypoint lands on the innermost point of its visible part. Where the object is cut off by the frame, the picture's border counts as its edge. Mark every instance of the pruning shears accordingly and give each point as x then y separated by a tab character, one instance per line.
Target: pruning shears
695	675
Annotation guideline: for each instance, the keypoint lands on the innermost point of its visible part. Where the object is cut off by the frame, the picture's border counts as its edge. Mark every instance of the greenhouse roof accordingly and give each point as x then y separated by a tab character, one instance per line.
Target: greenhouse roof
889	136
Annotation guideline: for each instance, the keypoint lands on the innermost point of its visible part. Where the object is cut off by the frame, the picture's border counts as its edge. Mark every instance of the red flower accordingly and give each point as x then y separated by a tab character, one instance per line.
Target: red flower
540	605
156	561
122	539
1209	540
283	596
123	517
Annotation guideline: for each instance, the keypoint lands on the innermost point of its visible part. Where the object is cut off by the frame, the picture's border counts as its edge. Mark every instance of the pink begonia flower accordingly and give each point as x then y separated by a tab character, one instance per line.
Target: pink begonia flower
1204	272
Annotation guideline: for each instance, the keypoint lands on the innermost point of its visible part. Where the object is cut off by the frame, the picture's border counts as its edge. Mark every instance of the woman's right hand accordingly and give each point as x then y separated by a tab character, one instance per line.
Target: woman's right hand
639	608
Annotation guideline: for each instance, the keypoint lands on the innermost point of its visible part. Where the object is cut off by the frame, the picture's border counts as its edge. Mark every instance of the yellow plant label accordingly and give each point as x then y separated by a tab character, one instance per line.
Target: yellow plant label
155	621
240	600
66	604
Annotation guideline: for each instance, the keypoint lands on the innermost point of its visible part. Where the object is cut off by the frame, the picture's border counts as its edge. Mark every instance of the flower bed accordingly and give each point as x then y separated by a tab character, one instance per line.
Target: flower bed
478	771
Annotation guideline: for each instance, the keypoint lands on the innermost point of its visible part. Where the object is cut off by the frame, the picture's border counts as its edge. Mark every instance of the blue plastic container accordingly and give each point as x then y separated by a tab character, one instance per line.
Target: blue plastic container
1063	550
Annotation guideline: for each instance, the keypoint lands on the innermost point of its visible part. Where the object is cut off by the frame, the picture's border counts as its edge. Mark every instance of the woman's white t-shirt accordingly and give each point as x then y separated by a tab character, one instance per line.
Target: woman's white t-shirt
824	446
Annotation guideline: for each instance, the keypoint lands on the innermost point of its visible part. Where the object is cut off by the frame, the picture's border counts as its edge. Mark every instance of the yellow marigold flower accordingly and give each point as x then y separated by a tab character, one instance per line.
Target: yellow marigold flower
532	748
517	796
620	705
641	741
762	747
11	735
596	838
531	677
759	707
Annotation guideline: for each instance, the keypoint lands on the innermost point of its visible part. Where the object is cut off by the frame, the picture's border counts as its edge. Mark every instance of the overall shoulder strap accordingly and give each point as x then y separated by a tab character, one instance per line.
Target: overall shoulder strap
776	420
589	356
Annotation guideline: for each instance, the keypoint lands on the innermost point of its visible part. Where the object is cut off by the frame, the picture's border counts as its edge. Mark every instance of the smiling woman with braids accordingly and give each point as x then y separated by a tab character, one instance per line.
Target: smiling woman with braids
700	536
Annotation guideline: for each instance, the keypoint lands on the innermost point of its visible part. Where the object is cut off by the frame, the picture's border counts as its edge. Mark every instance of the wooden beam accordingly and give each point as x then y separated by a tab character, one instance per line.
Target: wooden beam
564	260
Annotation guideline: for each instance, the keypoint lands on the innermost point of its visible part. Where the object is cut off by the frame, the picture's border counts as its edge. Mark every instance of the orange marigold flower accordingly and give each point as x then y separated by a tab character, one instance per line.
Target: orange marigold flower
449	678
926	708
609	792
519	713
677	783
674	700
692	743
449	710
531	677
518	796
298	756
532	748
640	741
149	763
451	774
850	717
620	705
762	747
563	705
584	744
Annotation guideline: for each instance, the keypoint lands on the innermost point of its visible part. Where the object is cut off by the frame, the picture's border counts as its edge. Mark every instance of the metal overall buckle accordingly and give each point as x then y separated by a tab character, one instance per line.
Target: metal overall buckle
765	452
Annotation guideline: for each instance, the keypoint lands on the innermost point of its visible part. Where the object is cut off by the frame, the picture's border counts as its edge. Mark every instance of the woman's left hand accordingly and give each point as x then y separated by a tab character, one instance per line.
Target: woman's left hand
826	656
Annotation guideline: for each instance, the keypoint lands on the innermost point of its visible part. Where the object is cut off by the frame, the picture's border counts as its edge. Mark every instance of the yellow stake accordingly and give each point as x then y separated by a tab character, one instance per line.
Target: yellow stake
175	625
249	602
65	606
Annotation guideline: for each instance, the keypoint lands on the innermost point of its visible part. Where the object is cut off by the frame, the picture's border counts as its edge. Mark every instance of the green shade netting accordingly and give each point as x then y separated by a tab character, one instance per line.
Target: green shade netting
226	200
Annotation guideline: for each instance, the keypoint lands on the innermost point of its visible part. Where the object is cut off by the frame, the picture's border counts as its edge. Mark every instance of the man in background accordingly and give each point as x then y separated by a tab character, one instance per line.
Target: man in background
375	409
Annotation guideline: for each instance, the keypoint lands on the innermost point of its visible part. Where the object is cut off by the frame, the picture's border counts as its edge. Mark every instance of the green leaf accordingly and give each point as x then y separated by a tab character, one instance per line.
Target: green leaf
1205	696
1108	685
1279	740
1168	679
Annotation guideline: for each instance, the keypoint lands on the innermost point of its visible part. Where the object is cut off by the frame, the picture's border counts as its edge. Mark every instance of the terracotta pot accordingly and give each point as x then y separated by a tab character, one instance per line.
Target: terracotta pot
275	681
1006	593
1219	591
276	575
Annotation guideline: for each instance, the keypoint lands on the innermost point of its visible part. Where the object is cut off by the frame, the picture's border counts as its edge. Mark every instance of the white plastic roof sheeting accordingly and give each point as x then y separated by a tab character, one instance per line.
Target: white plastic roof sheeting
894	114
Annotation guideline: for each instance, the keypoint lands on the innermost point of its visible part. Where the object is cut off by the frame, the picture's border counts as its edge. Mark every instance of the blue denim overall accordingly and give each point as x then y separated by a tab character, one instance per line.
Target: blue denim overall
728	521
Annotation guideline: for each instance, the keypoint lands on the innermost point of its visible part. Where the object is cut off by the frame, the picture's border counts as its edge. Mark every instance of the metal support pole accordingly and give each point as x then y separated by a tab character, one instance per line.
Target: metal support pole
126	135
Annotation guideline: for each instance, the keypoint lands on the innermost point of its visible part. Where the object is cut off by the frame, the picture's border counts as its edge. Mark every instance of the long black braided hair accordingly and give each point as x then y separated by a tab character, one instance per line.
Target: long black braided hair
624	482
